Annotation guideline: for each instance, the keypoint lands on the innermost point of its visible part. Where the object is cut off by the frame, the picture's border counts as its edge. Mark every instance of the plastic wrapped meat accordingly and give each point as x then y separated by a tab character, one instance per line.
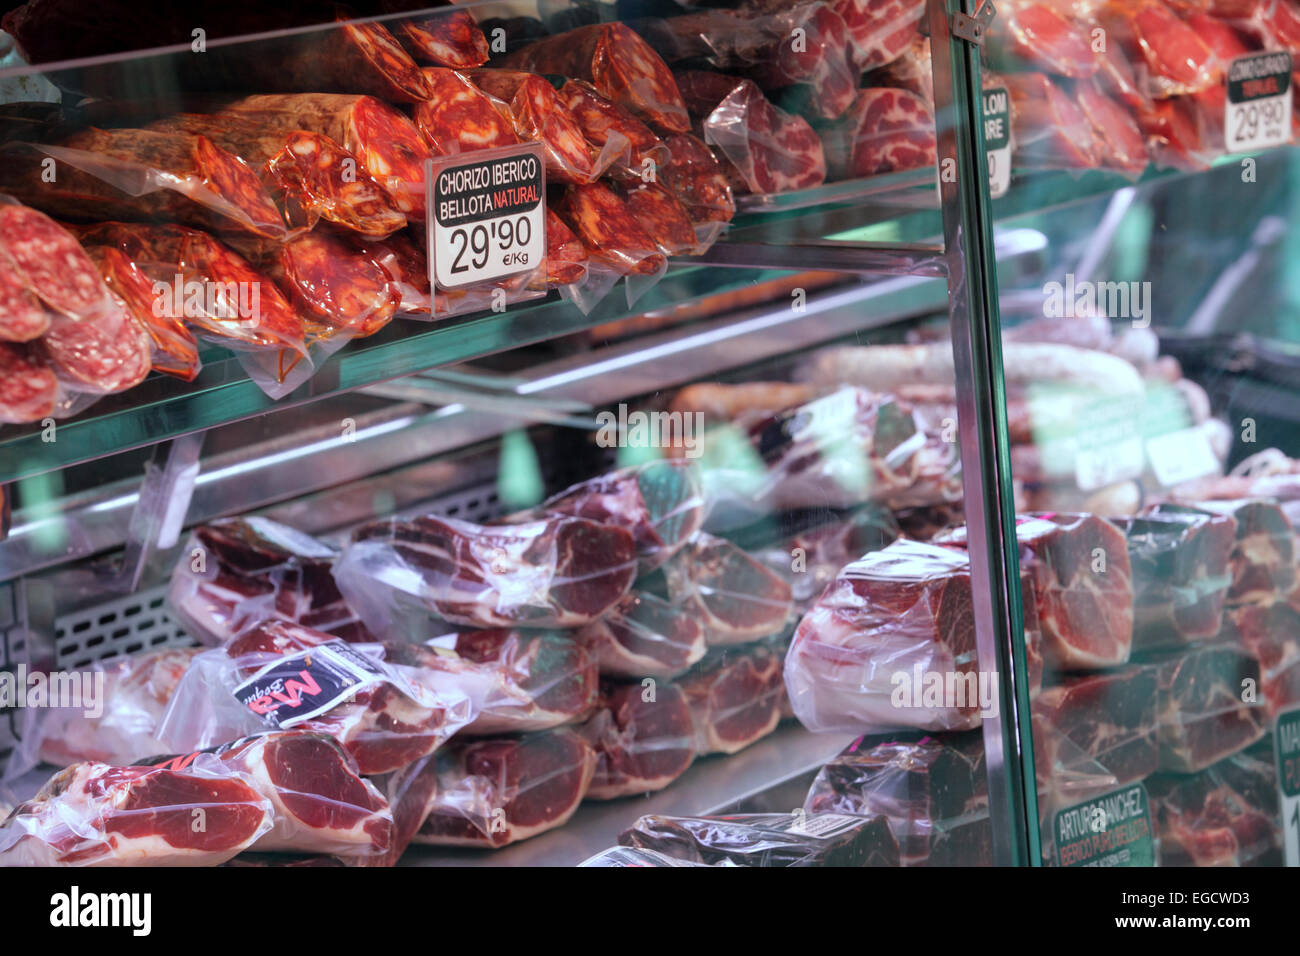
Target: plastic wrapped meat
660	503
735	696
734	598
320	803
933	791
238	571
1270	633
1123	146
1039	35
94	814
643	737
891	618
135	694
772	151
1180	576
884	131
501	790
1111	717
520	680
880	31
1202	715
610	232
1263	561
1051	131
845	449
558	571
1177	59
644	636
277	676
1082	584
1224	816
603	122
768	839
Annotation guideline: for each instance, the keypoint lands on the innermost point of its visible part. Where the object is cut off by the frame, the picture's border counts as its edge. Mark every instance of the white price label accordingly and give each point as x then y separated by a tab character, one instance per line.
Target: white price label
1286	739
1181	456
997	140
487	215
1258	111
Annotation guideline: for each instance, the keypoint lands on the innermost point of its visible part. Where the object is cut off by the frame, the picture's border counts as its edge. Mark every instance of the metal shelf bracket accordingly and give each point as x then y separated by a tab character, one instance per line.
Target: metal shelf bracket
972	27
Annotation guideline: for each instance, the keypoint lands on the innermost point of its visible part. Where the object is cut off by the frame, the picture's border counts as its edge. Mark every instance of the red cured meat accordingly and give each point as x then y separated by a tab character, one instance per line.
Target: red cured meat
773	151
644	636
734	597
641	744
1123	146
1178	59
1111	717
387	144
460	117
885	131
50	262
1177	134
92	814
618	63
1038	34
735	698
811	51
566	259
106	353
539	114
28	388
1050	129
1201	714
609	231
451	38
696	177
22	317
663	216
601	119
502	790
880	31
175	350
1271	635
342	286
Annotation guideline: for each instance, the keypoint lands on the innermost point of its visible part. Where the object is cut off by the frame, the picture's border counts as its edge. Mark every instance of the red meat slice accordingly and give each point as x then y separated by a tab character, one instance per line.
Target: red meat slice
644	636
28	387
735	698
733	596
773	151
885	131
641	744
1122	144
1177	57
1202	716
879	30
1110	717
1050	129
1038	34
498	791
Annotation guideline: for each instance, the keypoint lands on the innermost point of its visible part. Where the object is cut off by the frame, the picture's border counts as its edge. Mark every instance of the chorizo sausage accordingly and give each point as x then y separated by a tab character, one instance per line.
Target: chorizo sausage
695	176
618	63
538	114
608	230
451	39
662	216
460	117
599	118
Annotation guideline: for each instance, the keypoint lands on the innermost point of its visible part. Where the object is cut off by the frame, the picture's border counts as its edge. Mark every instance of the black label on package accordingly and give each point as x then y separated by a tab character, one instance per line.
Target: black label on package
306	684
1259	76
488	215
1112	830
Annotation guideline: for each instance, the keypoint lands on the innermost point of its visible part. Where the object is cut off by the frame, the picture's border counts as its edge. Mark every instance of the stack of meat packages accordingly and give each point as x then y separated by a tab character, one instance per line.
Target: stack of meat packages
1117	83
590	649
1155	651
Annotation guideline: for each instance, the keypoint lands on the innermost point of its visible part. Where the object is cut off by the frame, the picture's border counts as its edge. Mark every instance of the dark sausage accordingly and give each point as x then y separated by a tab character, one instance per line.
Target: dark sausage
662	216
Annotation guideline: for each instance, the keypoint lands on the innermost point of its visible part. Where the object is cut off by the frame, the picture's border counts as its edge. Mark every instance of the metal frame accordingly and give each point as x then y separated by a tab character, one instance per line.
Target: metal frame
982	424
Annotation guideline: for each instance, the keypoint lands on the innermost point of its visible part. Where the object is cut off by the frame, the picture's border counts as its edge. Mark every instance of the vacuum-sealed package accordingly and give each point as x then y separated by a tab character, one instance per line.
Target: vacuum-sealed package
644	739
557	571
771	150
130	703
891	644
1225	815
449	38
277	675
1112	717
235	572
1271	635
768	839
732	595
644	636
736	696
1203	712
660	503
520	680
500	790
884	131
1180	577
1263	559
95	814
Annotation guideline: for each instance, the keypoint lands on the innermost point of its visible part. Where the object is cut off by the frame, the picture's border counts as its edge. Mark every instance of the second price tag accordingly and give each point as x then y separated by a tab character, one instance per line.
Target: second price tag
1258	113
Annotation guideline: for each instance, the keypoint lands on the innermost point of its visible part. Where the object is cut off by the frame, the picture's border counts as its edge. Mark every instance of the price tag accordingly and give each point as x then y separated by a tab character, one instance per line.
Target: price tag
1286	736
1258	113
1109	443
487	215
1181	456
1114	830
997	140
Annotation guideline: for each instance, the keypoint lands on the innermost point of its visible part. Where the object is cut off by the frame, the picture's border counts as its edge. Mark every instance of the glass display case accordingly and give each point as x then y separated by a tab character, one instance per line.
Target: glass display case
766	433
